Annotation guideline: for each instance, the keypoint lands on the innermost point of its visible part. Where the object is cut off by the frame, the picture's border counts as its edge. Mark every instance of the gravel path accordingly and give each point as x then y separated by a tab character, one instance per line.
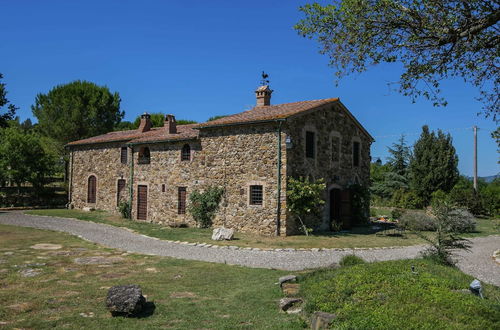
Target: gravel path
478	262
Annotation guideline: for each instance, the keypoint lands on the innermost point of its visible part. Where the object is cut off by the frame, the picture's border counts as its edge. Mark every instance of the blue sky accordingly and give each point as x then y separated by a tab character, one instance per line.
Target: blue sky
196	59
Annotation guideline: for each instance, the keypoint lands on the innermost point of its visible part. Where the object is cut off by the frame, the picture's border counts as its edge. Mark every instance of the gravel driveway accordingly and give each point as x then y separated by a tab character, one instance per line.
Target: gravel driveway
478	262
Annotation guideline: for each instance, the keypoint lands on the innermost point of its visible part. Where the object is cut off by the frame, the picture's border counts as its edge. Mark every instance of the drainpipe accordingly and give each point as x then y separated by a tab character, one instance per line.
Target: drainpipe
70	192
131	181
278	207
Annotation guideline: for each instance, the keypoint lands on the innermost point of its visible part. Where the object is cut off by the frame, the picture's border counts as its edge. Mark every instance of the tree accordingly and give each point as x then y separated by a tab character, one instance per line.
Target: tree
433	165
400	157
157	120
304	198
204	204
76	111
433	40
23	158
11	109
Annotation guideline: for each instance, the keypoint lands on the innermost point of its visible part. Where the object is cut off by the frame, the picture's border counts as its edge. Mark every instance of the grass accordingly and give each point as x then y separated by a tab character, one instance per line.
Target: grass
360	237
387	295
186	294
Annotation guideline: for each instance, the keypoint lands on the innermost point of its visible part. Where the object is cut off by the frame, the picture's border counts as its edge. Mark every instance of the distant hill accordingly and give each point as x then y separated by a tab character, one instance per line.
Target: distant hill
487	179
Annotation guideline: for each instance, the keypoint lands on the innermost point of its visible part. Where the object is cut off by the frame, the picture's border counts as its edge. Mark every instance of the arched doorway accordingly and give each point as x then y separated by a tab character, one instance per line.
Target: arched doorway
340	208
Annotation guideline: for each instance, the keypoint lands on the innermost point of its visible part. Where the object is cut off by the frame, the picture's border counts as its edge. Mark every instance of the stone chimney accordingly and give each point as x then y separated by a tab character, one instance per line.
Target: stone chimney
145	123
170	124
263	94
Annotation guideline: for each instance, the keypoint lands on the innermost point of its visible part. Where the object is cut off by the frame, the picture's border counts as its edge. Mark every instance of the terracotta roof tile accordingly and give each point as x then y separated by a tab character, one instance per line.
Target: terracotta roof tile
268	112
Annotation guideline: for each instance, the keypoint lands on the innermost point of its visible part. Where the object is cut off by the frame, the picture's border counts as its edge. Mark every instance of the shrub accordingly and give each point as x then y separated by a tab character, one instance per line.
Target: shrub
304	198
417	221
204	204
125	210
406	199
461	221
351	260
397	213
360	203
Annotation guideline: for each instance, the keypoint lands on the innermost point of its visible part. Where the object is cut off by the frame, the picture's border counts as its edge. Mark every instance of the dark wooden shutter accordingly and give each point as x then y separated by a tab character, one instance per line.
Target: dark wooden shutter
310	144
142	202
120	190
181	201
186	152
123	155
92	187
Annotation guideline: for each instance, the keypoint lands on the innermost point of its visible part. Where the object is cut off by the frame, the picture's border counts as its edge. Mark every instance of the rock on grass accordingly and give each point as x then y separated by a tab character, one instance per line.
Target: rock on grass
125	300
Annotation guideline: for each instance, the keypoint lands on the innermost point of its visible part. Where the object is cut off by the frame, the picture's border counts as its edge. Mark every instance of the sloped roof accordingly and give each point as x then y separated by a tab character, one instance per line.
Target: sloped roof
184	132
268	112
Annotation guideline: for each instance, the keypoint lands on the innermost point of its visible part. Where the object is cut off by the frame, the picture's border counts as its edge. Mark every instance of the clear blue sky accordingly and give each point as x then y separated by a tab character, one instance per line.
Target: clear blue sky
197	59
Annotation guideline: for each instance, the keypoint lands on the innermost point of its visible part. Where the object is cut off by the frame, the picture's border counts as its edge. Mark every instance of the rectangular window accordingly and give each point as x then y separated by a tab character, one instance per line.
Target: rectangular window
355	154
123	155
181	200
335	149
256	195
310	144
163	188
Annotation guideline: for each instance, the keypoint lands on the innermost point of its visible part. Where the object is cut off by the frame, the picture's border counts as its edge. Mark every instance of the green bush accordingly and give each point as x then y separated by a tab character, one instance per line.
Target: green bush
304	197
397	213
406	199
351	260
204	204
125	209
417	221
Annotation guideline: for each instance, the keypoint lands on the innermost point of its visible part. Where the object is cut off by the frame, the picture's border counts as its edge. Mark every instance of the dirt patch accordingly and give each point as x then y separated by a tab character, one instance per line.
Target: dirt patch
46	246
183	295
98	260
151	270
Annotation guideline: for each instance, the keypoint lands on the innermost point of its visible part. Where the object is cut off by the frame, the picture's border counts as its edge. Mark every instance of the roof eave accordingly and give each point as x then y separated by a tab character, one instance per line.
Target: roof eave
283	118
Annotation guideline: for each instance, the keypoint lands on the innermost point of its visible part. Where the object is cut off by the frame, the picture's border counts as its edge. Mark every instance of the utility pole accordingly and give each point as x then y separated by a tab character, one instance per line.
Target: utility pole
475	158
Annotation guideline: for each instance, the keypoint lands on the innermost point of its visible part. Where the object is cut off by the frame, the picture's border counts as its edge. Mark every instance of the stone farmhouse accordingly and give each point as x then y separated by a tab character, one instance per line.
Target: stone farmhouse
249	154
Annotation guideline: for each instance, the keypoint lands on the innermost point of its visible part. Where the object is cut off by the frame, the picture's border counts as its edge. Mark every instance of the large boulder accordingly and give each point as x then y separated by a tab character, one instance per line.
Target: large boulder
221	234
125	300
322	320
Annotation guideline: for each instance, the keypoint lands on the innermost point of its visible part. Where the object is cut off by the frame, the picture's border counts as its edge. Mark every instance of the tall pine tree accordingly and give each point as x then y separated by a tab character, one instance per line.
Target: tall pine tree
400	158
433	164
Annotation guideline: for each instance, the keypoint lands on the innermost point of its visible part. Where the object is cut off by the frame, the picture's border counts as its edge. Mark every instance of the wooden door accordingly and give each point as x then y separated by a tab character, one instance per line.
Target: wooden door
92	189
120	191
346	214
142	202
335	206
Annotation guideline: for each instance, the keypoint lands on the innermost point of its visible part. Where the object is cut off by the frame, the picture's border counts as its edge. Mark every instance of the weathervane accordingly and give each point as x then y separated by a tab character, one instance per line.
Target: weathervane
264	80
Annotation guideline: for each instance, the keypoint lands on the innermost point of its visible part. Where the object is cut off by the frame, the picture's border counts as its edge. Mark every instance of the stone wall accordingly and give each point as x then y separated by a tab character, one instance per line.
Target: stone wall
339	172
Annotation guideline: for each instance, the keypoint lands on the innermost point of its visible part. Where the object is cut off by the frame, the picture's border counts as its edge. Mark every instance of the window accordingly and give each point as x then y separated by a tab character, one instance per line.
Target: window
335	149
120	190
123	155
91	189
256	195
310	144
181	200
186	152
355	153
144	156
163	188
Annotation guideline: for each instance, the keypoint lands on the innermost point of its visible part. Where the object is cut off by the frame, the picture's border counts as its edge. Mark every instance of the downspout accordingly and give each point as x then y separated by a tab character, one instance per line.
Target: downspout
131	181
70	192
278	207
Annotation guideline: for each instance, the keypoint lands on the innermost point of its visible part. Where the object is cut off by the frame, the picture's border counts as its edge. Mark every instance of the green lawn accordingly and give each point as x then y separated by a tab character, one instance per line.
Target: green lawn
187	294
387	295
361	237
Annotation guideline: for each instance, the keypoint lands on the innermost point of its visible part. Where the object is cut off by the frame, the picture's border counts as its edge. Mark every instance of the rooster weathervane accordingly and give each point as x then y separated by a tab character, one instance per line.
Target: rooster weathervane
264	80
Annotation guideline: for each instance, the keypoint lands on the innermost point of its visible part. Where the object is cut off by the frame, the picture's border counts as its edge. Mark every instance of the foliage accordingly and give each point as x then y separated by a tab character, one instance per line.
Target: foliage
400	157
388	295
433	165
77	110
490	197
157	120
204	204
23	158
417	221
360	203
304	198
11	109
351	260
216	117
406	199
496	136
433	40
397	213
125	209
449	222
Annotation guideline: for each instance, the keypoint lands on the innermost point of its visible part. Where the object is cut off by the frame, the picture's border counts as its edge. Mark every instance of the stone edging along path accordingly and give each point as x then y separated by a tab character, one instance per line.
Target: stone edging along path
479	263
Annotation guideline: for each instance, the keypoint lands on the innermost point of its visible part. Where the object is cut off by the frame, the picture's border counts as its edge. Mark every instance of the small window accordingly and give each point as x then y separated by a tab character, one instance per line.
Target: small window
256	195
144	156
335	149
123	155
310	144
355	154
163	188
92	189
181	200
186	152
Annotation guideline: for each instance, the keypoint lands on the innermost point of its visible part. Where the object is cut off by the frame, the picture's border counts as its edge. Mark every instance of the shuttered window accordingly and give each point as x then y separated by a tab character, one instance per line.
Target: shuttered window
256	195
186	152
142	202
181	200
123	155
355	154
120	191
92	189
310	144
